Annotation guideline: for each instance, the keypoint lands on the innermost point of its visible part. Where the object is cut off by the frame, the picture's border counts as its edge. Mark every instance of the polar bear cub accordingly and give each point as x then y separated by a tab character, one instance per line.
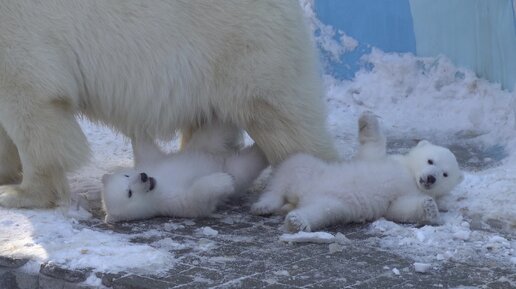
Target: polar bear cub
401	188
190	183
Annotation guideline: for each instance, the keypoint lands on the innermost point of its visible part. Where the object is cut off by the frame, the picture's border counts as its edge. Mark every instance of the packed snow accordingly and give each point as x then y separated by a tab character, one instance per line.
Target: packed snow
55	236
308	237
415	98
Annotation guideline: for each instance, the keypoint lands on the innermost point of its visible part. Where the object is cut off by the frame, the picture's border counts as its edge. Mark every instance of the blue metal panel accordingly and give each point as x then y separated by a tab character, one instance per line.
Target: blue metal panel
386	24
476	34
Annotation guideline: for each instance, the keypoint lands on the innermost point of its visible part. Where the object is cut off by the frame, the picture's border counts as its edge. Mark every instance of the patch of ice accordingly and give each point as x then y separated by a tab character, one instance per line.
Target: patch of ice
335	247
281	273
170	226
207	231
205	245
308	237
189	222
169	244
421	267
341	239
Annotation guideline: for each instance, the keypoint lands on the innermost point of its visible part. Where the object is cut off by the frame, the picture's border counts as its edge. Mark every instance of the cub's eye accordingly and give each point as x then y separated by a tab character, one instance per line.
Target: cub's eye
445	175
130	193
430	162
126	176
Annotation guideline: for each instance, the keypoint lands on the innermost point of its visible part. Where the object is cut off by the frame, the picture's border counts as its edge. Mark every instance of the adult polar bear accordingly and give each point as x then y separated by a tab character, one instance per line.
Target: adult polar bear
147	68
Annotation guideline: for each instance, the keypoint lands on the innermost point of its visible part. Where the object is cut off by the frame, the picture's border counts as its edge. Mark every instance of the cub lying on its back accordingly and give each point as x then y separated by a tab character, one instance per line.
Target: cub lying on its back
190	183
373	185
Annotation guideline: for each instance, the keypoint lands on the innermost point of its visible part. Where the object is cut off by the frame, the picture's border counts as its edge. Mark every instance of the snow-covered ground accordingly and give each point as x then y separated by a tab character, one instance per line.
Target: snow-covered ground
415	98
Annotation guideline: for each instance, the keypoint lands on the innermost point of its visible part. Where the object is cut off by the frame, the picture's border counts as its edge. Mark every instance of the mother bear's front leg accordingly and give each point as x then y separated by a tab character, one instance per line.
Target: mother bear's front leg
49	141
10	165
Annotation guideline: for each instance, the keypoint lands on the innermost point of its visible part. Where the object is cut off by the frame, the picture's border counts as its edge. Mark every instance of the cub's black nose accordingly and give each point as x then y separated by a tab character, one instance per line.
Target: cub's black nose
144	177
430	179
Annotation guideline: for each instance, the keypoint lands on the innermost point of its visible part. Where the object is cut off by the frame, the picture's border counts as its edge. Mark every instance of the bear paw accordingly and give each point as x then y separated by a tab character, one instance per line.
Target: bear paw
13	196
431	212
294	223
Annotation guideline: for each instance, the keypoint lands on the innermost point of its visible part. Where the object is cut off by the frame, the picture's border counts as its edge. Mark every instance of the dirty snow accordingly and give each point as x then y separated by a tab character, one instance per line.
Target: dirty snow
415	98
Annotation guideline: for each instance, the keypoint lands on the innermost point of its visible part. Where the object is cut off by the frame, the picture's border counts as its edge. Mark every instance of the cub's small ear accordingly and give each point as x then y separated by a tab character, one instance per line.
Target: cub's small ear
423	143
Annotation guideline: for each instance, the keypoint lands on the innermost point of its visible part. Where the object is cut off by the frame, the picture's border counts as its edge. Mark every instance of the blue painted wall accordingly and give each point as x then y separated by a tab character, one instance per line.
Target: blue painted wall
477	34
386	24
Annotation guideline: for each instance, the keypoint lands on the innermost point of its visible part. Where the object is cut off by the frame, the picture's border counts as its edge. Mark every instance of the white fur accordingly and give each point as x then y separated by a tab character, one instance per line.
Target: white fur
190	183
148	69
372	185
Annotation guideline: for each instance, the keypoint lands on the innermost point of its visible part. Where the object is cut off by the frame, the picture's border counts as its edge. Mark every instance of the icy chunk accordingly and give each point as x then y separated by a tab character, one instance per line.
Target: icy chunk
421	267
281	273
207	231
308	237
341	239
335	247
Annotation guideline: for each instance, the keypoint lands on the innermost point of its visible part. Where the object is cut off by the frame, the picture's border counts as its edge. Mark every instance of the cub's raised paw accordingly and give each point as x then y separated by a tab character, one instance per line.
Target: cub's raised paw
295	223
369	127
431	212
